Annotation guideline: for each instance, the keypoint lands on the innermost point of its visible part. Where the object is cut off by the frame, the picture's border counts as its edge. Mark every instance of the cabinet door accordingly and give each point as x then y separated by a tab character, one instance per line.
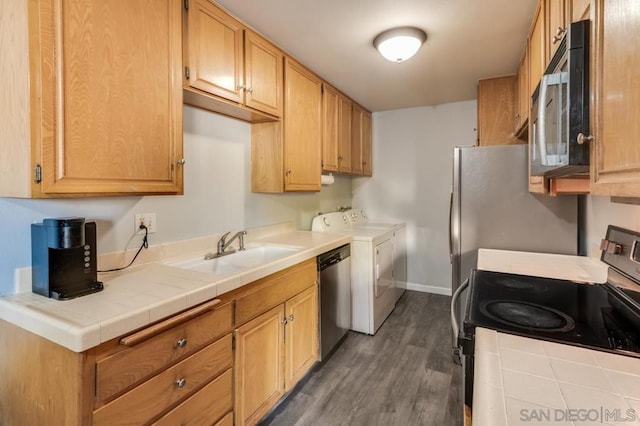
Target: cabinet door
301	335
259	357
537	49
330	133
215	51
495	111
110	116
615	158
579	9
263	74
356	139
522	98
302	128
344	134
555	21
367	145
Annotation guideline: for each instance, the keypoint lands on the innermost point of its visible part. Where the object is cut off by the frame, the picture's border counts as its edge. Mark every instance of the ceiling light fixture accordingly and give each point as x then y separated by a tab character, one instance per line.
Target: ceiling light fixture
399	44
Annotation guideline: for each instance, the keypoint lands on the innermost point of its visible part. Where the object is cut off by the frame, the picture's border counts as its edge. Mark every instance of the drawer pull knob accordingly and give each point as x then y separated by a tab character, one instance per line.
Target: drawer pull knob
290	319
181	343
181	383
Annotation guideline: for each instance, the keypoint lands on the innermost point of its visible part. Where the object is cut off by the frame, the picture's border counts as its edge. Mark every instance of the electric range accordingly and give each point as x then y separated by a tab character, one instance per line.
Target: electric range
600	316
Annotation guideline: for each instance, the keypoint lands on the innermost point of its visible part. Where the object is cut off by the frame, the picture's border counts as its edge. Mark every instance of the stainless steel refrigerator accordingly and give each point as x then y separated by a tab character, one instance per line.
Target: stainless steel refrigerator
491	207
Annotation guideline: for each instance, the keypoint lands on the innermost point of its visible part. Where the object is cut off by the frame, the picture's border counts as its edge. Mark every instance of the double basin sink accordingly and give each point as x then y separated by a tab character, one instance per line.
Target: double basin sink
255	255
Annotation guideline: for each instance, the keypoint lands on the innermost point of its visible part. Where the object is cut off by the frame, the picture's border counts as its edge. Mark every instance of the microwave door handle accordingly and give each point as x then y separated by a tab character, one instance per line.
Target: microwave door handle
542	103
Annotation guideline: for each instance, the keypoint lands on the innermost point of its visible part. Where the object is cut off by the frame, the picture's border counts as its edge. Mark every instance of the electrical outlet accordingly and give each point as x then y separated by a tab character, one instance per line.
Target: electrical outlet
146	219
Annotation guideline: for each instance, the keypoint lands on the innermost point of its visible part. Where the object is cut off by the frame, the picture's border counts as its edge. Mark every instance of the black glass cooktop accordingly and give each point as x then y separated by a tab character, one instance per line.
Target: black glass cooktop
589	315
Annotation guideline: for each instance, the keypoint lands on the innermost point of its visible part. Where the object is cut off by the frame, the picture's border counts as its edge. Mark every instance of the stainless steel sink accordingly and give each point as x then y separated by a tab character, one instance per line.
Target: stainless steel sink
253	256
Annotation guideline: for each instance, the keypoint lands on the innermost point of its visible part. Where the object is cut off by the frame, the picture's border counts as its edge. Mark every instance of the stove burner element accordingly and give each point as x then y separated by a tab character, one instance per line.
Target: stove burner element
528	316
515	283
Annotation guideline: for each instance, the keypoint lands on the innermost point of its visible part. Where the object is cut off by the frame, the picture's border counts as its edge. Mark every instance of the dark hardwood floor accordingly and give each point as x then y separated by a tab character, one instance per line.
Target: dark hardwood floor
404	375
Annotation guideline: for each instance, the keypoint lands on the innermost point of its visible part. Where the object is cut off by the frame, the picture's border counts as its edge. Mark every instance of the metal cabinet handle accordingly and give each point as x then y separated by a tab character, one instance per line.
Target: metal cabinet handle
582	138
290	318
243	87
560	31
181	382
287	172
181	343
181	161
517	115
250	90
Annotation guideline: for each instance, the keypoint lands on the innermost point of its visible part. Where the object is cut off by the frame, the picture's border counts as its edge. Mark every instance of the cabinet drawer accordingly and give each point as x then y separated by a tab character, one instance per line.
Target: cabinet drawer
204	407
133	364
274	290
226	420
152	397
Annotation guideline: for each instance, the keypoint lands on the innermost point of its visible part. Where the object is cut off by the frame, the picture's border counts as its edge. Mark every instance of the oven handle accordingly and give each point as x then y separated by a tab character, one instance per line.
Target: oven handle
454	300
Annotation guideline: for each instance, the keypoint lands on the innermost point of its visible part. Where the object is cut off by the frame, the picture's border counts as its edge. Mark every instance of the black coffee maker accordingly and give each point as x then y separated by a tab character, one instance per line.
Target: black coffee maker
63	258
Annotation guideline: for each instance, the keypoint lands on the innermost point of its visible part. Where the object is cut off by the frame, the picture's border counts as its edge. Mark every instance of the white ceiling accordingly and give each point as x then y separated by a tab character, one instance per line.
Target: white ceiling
466	40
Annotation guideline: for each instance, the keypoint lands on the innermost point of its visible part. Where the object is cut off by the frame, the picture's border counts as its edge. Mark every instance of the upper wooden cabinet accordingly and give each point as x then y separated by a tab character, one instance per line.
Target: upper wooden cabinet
495	111
361	143
302	128
537	47
287	155
336	131
92	98
555	24
228	68
615	155
578	10
522	99
330	132
344	134
367	144
357	113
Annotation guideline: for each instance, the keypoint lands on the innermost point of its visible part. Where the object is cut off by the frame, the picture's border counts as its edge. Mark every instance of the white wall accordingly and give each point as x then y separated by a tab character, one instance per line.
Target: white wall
412	177
601	212
217	199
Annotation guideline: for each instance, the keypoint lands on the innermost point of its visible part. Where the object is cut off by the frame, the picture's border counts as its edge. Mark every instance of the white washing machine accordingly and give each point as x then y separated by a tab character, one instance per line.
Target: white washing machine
378	265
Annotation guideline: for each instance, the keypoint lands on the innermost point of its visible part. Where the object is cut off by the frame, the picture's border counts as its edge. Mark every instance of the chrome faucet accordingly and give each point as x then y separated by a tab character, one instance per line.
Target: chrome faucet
223	244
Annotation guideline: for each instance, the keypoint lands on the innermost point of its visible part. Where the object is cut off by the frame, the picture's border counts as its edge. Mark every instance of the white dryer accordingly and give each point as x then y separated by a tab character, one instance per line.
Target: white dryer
378	265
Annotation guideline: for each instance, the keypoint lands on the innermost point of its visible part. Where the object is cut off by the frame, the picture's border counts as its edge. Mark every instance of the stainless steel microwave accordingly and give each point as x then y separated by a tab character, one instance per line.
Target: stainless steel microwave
560	109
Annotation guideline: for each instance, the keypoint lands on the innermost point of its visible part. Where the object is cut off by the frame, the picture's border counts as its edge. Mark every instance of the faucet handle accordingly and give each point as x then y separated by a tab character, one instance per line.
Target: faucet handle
224	237
241	239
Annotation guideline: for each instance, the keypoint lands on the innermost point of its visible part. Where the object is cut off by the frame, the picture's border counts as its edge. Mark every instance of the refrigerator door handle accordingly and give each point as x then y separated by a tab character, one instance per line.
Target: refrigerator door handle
451	228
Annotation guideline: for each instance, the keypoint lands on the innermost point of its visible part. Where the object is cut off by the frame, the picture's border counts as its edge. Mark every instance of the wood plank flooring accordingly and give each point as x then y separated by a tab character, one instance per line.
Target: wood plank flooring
404	375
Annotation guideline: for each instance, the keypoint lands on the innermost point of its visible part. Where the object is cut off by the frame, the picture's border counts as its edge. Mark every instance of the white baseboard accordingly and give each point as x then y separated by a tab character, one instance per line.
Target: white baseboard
429	289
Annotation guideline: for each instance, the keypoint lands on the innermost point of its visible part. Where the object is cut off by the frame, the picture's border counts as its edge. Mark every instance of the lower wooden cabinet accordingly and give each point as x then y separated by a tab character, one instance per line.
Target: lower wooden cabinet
206	405
181	370
277	348
301	335
259	382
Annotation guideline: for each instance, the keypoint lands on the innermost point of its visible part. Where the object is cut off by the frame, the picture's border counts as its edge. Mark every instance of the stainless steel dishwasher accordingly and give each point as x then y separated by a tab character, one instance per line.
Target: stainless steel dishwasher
335	297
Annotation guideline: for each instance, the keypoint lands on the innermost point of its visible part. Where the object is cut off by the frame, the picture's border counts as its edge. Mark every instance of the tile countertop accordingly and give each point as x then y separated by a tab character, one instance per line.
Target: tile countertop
146	294
519	380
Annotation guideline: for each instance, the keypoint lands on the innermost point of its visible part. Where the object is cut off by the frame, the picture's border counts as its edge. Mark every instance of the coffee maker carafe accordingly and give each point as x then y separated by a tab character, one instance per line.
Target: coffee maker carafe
63	258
